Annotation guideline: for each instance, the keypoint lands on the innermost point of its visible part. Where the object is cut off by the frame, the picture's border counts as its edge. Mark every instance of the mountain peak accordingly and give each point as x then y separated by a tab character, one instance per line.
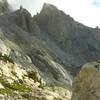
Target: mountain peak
23	11
4	7
49	6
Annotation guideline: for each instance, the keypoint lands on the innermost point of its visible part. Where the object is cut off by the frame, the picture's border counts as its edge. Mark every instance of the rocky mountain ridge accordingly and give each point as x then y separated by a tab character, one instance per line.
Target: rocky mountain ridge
50	43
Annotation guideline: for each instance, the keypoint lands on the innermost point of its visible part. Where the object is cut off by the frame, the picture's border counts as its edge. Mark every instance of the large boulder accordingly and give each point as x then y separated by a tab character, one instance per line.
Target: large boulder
86	85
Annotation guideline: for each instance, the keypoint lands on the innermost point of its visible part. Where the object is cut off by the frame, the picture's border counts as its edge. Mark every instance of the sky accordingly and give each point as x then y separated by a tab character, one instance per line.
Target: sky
83	11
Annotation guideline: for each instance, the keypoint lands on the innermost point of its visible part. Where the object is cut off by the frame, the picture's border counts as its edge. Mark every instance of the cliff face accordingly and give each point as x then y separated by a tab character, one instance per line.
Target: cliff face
75	39
72	42
86	85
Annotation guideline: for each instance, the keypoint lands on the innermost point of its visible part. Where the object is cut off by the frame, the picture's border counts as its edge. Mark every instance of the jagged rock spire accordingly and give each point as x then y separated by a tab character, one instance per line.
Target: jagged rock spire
21	7
4	7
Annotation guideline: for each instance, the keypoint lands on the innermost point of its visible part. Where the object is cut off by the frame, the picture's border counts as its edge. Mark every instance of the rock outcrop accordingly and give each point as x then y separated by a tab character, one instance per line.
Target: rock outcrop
86	85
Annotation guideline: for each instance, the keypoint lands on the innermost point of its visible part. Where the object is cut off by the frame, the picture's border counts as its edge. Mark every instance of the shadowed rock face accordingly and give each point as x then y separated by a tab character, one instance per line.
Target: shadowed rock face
86	85
79	41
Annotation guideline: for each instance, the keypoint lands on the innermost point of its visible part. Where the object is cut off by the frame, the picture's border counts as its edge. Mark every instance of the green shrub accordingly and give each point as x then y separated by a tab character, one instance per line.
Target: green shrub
5	58
33	75
14	73
20	81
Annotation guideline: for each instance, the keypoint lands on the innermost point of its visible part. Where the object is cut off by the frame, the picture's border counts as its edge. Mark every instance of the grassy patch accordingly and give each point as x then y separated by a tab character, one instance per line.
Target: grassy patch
10	88
20	87
6	91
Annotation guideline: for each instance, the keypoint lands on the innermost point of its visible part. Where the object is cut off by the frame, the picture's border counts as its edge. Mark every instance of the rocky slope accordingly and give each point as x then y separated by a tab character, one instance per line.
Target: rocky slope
30	51
86	85
18	84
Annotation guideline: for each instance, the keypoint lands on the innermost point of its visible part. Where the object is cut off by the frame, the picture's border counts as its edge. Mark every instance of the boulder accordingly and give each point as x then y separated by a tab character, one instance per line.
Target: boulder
86	85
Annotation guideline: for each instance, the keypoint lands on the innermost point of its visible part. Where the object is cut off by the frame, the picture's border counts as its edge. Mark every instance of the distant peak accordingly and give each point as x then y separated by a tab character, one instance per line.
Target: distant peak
4	7
49	6
23	11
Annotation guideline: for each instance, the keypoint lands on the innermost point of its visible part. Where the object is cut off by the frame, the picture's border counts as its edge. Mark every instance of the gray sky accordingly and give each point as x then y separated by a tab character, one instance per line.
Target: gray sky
84	11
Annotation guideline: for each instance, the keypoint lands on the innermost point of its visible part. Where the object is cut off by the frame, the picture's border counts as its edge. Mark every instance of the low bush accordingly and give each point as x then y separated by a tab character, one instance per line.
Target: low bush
5	58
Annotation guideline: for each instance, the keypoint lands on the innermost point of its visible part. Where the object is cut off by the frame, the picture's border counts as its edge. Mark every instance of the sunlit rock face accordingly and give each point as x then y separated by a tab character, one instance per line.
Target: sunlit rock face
17	83
86	85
